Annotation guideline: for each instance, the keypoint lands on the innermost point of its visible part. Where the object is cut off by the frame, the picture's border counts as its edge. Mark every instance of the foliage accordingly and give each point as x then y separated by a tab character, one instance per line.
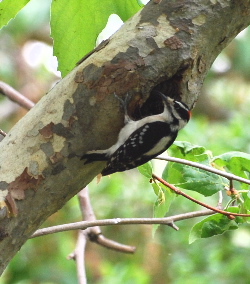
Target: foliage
9	9
192	178
214	225
205	183
75	29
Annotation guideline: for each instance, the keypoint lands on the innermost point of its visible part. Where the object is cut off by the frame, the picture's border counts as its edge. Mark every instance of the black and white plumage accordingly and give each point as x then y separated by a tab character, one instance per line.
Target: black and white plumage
142	140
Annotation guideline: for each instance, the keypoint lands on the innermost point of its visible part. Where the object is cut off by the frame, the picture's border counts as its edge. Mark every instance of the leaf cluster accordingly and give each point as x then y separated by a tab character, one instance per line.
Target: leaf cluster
74	29
197	180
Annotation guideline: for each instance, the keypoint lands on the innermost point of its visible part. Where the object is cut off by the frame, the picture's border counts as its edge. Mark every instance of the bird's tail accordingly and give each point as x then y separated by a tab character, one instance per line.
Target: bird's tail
92	156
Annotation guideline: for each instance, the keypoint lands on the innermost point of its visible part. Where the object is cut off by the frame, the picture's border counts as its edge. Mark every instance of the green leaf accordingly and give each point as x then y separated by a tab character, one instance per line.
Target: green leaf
165	197
76	24
214	225
188	151
246	204
235	162
9	9
146	169
194	179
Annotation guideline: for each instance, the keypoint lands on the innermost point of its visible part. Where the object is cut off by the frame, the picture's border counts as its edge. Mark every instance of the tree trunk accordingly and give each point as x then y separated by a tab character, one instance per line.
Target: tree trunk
168	46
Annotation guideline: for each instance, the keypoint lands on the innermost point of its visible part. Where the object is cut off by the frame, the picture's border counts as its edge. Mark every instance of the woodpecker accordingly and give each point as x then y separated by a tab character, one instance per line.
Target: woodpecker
142	140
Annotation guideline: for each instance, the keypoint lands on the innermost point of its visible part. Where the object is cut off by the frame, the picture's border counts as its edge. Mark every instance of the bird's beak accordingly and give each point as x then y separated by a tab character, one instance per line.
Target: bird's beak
166	98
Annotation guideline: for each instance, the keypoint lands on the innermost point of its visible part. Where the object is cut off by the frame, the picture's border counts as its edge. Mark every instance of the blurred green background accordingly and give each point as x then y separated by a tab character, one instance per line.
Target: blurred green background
220	122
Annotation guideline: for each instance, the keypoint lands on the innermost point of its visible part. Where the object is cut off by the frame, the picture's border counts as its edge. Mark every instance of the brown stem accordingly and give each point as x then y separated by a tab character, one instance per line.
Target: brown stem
230	215
78	256
203	167
15	96
95	233
119	221
110	244
3	133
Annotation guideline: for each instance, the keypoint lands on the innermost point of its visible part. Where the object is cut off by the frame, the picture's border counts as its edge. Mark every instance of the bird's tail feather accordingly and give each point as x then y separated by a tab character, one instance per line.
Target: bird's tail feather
92	156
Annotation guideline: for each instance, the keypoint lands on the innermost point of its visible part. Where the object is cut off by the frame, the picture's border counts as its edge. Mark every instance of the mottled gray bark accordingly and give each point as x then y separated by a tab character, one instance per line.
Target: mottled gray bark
169	46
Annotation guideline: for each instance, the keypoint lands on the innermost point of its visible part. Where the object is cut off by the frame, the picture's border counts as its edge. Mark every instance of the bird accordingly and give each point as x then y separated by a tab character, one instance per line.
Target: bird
141	140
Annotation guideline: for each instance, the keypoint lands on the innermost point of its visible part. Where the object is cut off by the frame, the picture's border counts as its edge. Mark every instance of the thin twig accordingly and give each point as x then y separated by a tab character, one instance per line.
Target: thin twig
79	252
15	96
78	256
111	244
95	233
203	167
3	133
230	215
172	225
119	221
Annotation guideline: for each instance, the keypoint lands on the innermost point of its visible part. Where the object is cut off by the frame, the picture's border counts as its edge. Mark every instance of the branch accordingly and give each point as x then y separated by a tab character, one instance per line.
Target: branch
203	167
3	133
78	256
119	221
15	96
230	215
47	139
95	233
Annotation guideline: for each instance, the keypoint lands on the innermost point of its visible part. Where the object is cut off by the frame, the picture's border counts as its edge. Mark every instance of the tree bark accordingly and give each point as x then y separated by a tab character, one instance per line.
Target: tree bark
168	46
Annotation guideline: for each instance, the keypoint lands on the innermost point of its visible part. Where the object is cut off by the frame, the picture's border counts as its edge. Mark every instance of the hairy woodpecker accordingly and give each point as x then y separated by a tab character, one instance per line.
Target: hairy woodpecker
142	140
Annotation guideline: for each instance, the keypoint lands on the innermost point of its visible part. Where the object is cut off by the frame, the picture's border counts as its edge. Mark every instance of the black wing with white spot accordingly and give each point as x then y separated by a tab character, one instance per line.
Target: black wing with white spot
141	146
